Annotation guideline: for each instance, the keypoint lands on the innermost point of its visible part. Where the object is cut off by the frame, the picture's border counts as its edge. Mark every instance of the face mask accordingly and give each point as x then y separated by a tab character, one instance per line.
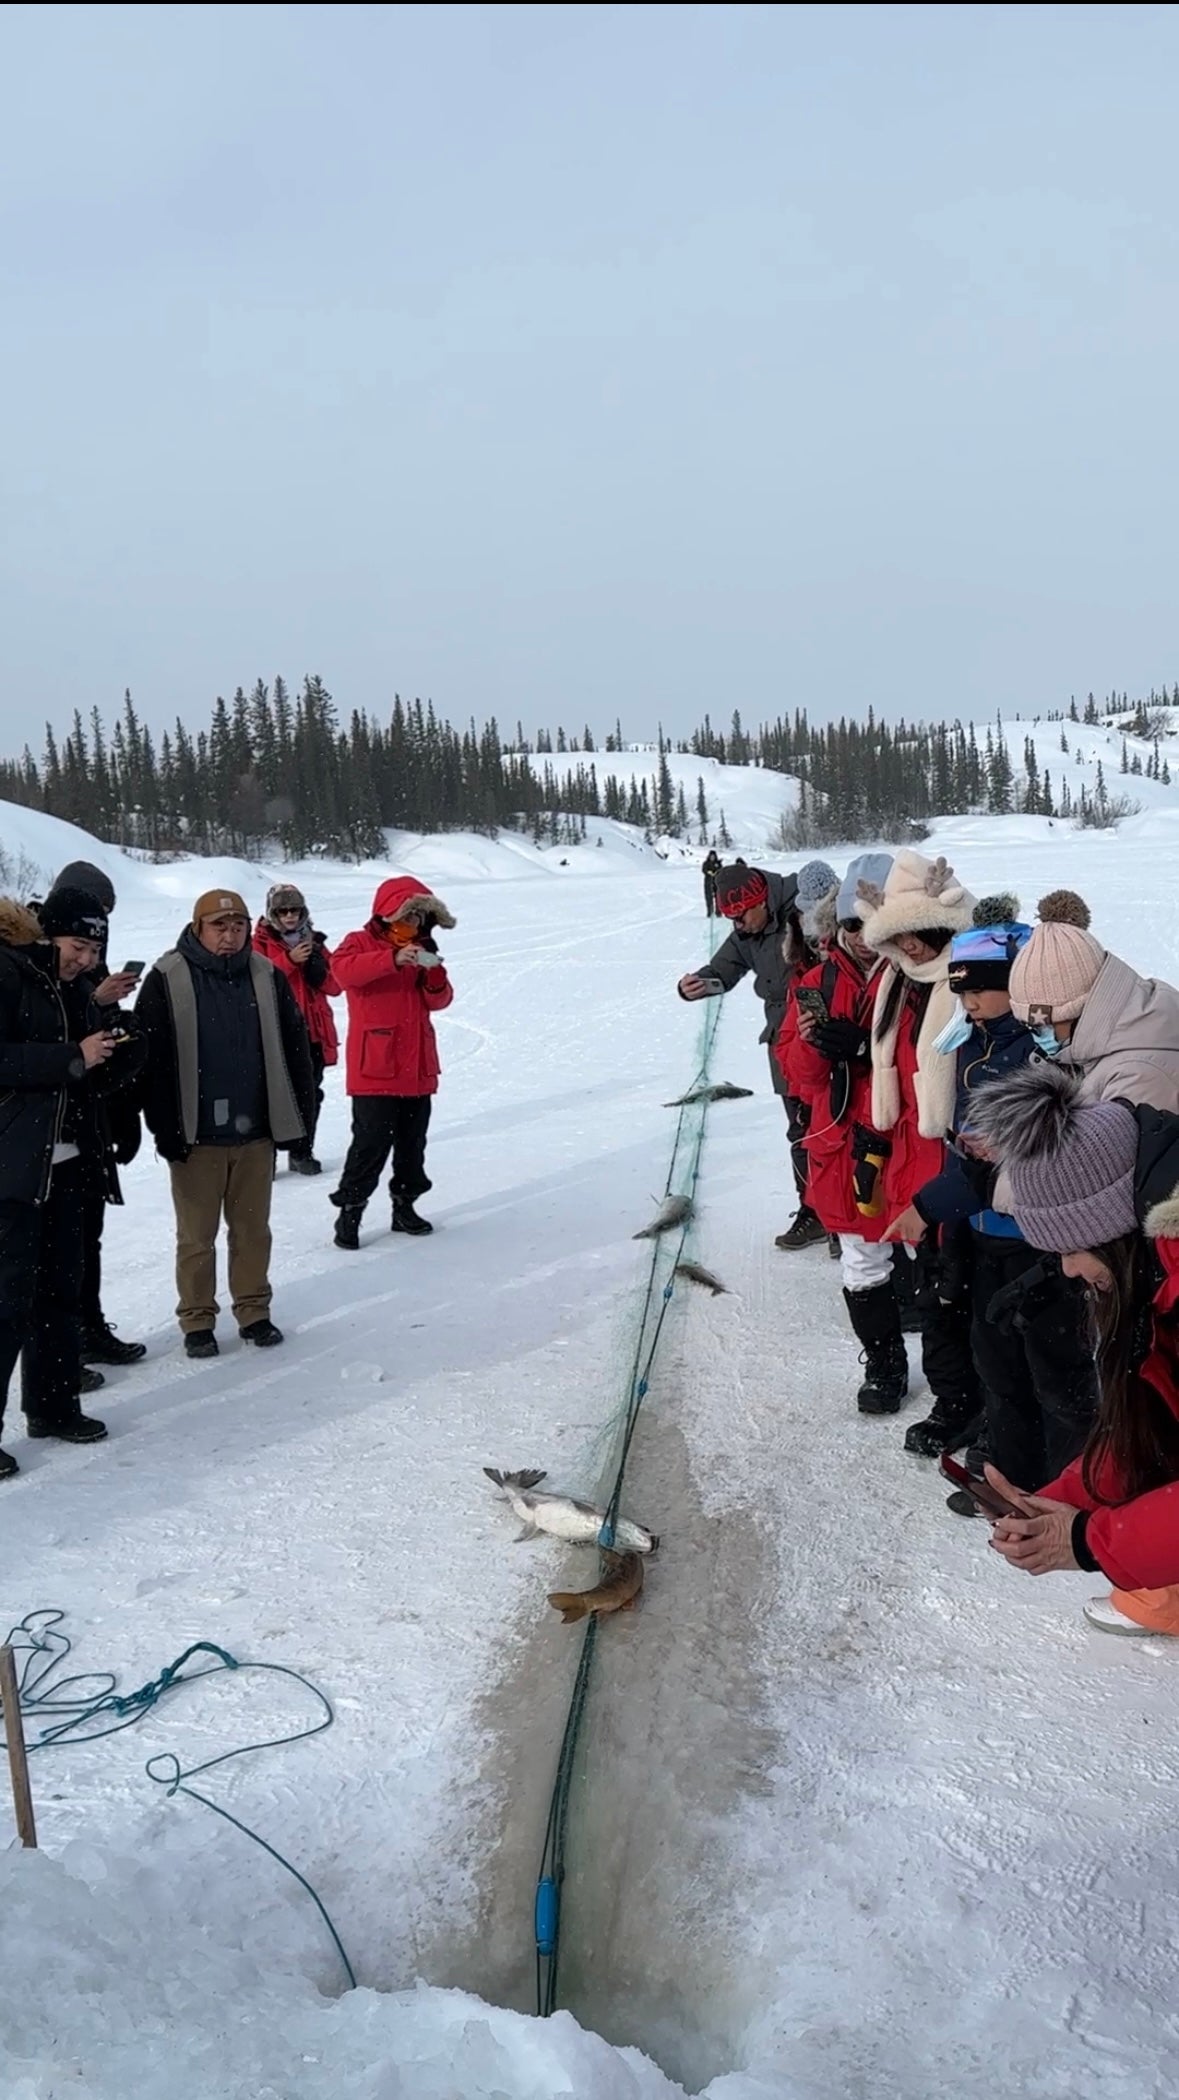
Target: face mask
1046	1041
956	1031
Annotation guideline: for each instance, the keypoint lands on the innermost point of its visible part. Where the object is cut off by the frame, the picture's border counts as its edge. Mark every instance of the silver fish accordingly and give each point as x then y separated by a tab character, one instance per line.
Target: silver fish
561	1517
674	1210
692	1272
723	1091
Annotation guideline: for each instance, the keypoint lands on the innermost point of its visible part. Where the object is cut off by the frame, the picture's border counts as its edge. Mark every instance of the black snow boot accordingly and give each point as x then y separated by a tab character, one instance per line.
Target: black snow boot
91	1381
406	1218
8	1465
305	1163
876	1326
262	1333
806	1231
948	1425
101	1345
347	1232
73	1429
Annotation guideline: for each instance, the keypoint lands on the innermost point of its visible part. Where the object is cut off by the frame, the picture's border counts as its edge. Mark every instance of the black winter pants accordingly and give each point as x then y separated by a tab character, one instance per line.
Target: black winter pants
944	1290
306	1146
93	1220
40	1281
796	1123
384	1123
1040	1386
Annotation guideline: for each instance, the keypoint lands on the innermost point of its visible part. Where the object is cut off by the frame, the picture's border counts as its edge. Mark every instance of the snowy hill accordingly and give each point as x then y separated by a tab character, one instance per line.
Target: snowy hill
818	1833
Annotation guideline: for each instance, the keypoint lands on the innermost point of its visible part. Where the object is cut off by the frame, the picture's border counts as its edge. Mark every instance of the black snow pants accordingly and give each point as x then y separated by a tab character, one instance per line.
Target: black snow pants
40	1294
1039	1379
944	1284
384	1123
305	1148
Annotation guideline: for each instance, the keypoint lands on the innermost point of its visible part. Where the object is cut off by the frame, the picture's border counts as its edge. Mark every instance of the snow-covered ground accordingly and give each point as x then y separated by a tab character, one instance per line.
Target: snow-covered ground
863	1815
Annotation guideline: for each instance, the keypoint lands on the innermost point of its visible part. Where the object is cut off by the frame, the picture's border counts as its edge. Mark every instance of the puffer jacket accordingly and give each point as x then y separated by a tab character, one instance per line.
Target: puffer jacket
41	1064
391	1047
1126	1041
836	1098
313	983
775	956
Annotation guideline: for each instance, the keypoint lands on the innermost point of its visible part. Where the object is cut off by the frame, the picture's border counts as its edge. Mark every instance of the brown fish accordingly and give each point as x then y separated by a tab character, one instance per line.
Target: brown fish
618	1589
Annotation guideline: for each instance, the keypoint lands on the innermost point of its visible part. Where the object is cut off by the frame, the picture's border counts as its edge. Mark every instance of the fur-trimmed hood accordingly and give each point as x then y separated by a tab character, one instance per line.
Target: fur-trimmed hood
404	897
19	927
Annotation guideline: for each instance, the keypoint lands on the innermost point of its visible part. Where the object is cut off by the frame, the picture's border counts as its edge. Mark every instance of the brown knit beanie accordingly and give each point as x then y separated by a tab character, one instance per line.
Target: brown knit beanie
1058	968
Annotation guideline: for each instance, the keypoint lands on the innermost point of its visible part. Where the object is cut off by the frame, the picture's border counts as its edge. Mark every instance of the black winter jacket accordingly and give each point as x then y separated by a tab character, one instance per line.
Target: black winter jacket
160	1091
43	1076
773	957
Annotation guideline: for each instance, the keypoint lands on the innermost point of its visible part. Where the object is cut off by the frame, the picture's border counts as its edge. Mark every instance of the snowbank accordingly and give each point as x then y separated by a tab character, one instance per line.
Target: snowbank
110	1994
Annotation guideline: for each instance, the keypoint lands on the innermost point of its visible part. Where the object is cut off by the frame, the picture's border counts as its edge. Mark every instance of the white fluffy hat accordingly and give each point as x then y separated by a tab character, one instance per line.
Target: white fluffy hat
918	893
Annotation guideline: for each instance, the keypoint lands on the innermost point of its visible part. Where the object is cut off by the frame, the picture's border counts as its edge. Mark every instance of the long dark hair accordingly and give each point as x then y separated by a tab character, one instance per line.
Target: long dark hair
902	987
1136	1435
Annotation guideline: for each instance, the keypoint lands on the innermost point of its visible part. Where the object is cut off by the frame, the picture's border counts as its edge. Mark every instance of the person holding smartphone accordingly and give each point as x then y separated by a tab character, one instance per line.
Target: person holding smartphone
119	1134
1096	1184
57	1057
285	936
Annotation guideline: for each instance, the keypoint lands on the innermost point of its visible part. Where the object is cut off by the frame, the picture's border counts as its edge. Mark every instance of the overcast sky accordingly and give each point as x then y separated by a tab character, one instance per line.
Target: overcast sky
566	362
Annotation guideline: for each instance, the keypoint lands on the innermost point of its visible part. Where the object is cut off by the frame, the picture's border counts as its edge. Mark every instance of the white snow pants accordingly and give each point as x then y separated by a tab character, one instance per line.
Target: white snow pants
864	1263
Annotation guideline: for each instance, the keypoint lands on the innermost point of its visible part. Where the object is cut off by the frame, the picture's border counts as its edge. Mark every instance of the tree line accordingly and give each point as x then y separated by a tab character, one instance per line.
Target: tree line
273	770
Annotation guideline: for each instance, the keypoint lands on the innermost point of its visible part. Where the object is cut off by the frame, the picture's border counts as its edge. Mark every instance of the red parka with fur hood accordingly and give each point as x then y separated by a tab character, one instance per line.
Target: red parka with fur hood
391	1047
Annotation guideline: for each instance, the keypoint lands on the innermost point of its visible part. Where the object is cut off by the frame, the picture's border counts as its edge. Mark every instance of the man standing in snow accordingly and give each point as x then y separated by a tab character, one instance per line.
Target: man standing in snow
767	938
229	1078
710	870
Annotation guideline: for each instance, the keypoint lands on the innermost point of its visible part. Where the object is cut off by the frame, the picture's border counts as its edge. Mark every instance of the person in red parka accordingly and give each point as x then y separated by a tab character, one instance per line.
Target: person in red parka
394	979
285	936
1096	1185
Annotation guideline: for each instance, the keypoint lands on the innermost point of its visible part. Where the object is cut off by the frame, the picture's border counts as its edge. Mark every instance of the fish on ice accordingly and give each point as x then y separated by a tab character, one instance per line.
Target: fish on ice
722	1091
694	1272
673	1211
563	1517
617	1590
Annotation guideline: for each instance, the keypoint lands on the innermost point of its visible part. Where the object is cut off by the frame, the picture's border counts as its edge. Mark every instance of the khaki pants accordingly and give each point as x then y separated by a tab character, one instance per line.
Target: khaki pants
236	1180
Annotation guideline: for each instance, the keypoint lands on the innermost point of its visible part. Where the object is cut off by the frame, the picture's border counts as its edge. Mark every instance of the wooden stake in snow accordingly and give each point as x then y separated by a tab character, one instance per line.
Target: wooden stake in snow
18	1762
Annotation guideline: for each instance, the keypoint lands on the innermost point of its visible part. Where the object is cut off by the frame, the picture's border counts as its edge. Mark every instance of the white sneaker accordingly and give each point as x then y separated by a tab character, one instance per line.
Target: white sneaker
1103	1613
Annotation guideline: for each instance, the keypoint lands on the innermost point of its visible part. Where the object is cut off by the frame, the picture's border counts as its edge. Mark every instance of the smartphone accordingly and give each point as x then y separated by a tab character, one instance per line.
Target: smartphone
713	984
990	1501
133	969
812	1002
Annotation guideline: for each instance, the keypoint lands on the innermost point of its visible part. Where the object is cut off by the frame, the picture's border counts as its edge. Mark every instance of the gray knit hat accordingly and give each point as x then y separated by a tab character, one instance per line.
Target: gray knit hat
817	883
1069	1164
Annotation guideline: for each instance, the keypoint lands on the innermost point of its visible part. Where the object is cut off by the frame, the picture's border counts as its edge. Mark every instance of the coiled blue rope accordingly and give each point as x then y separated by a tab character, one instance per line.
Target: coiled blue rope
91	1708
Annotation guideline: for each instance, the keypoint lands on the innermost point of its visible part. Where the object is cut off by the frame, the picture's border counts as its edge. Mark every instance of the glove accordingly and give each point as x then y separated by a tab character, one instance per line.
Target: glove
842	1042
1018	1305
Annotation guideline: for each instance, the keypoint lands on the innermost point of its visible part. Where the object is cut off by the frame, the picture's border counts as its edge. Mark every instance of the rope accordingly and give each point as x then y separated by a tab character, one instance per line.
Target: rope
90	1709
547	1906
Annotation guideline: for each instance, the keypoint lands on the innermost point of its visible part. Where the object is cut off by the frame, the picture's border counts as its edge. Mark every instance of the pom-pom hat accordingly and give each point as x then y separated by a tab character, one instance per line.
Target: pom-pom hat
1055	972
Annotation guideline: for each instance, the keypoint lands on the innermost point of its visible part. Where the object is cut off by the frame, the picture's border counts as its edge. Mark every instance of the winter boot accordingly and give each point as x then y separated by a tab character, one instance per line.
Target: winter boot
347	1232
406	1219
91	1381
73	1429
963	1504
263	1333
8	1465
948	1425
202	1342
305	1163
101	1345
806	1231
876	1326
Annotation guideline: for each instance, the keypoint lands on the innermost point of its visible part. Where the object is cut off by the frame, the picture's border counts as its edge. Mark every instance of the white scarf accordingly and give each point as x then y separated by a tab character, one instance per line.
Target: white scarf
936	1083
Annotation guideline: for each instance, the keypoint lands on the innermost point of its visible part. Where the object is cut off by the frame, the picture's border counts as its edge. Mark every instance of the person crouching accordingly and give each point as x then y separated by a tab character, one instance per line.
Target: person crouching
394	979
228	1079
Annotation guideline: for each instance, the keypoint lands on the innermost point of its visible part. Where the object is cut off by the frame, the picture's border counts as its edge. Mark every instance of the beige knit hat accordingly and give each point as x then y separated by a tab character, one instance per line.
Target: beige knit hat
1054	974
